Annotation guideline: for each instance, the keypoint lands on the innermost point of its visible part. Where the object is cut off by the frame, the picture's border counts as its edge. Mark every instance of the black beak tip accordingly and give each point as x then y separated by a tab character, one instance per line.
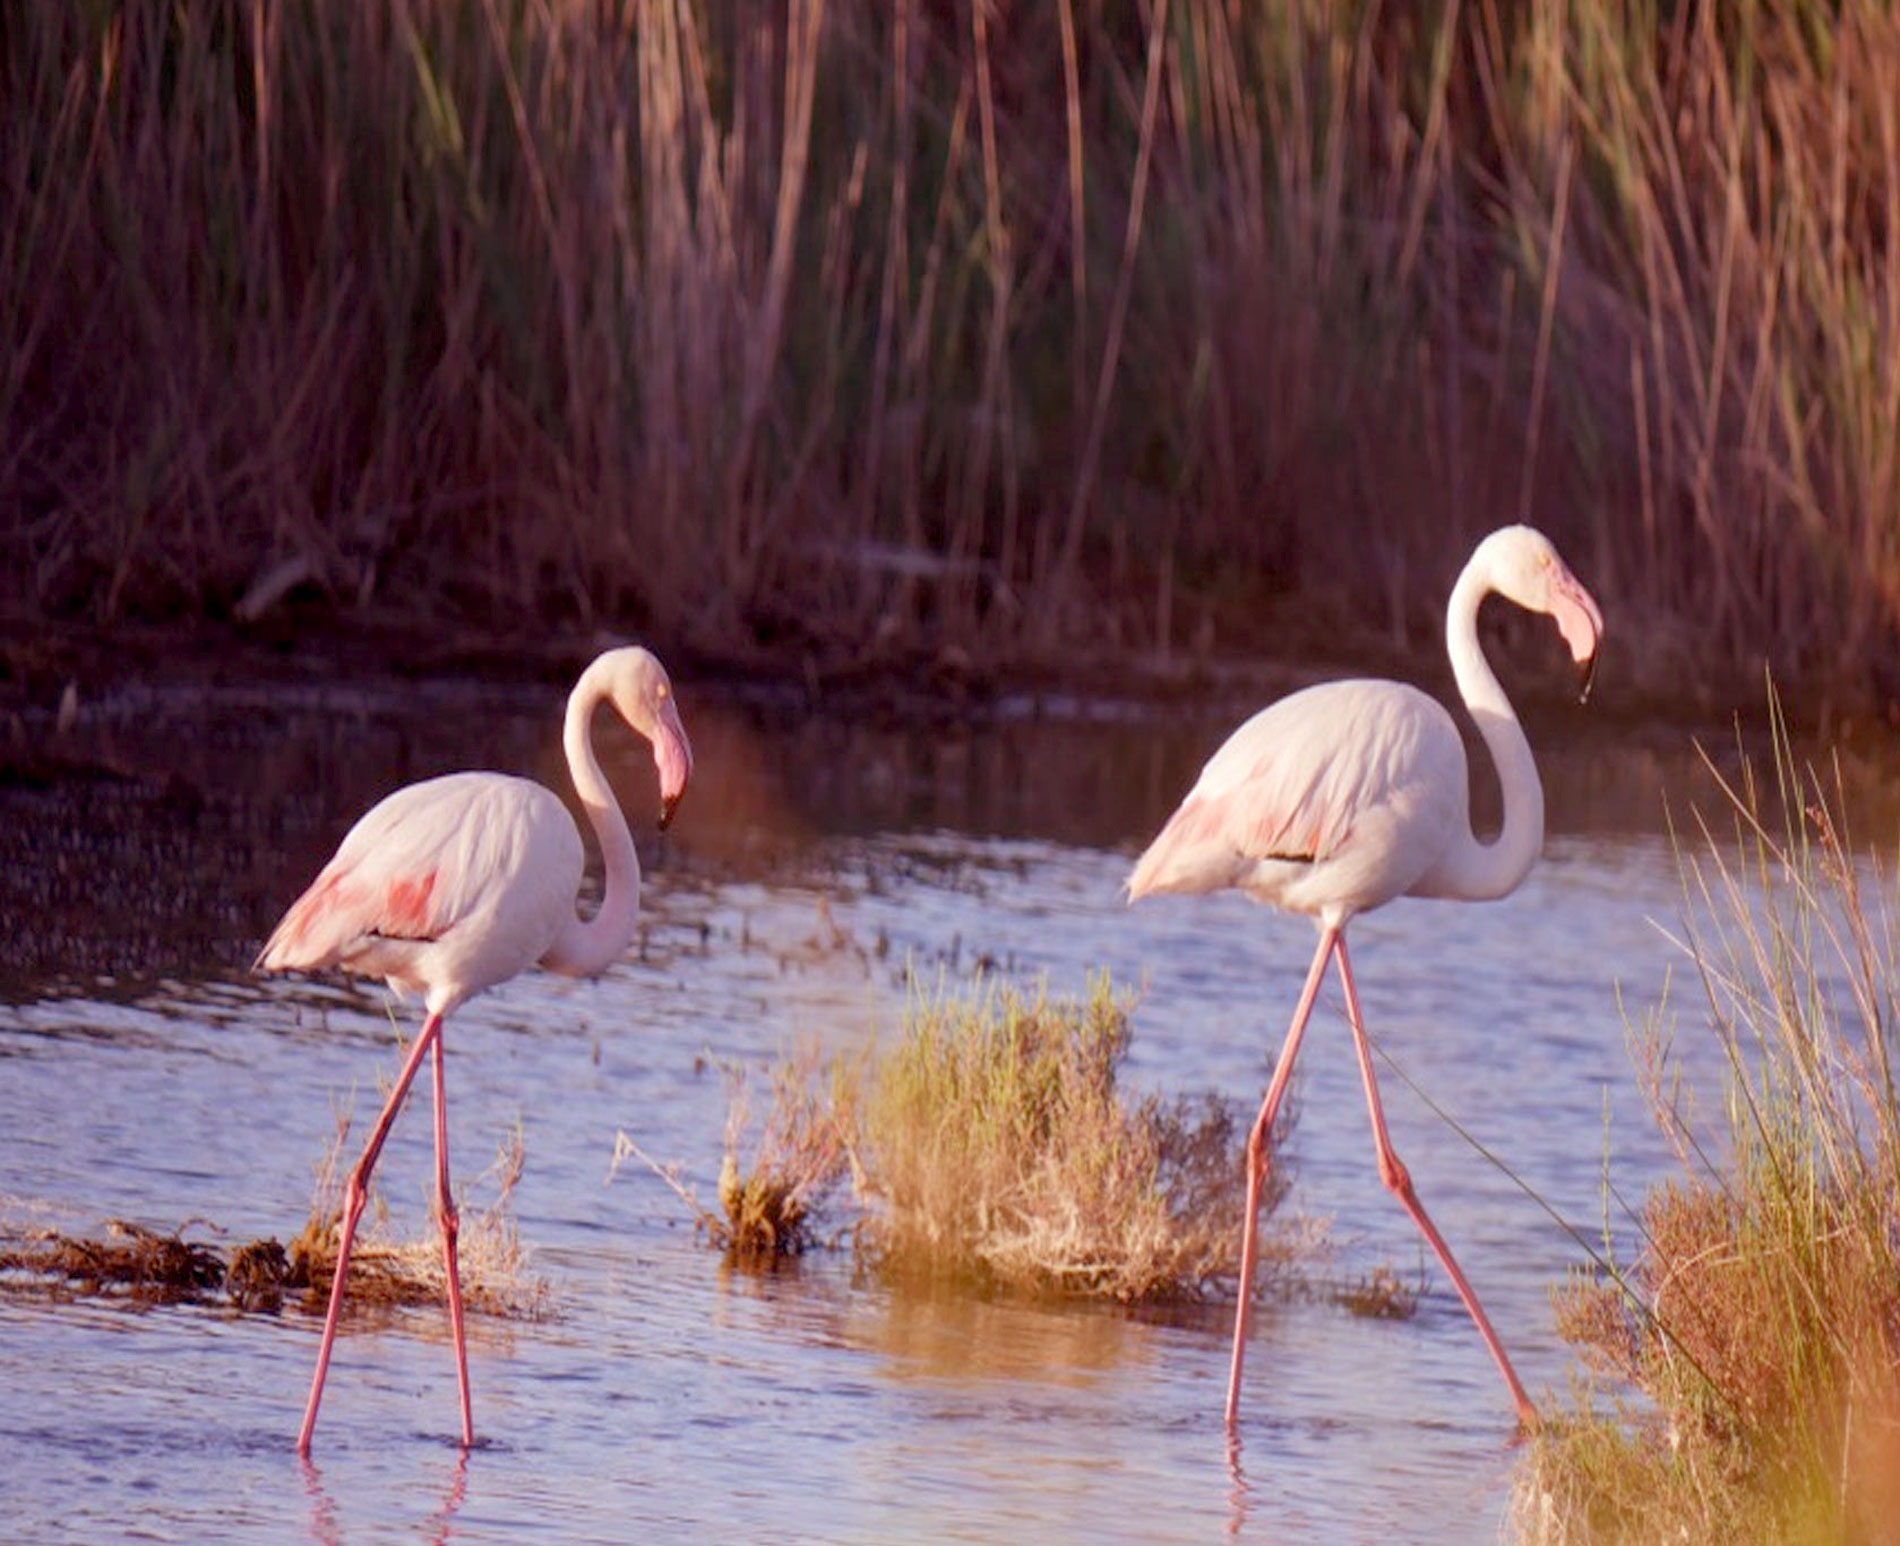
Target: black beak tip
1589	677
667	806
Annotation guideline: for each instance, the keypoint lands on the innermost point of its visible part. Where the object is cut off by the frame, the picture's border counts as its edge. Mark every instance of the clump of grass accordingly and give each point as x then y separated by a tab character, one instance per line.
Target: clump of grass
495	1274
802	1153
1381	1294
998	1146
770	1203
992	1145
1760	1323
256	1275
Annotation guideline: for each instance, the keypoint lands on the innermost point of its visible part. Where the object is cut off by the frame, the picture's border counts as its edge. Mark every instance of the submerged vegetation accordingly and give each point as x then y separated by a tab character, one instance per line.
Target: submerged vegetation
872	328
141	1263
137	1262
1760	1322
990	1146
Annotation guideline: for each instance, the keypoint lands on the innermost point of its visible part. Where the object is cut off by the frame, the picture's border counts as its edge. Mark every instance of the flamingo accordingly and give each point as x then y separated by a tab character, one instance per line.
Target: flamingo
1340	797
449	887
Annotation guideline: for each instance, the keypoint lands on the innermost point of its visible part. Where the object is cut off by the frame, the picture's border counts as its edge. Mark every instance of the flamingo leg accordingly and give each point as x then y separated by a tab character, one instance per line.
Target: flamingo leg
1259	1143
1398	1182
450	1222
354	1201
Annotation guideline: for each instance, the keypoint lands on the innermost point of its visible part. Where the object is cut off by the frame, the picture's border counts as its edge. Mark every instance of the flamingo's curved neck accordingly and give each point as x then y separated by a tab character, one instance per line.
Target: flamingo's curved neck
585	948
1471	869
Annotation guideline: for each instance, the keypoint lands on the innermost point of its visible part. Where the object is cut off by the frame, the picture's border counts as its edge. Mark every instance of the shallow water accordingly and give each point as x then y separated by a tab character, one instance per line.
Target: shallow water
670	1397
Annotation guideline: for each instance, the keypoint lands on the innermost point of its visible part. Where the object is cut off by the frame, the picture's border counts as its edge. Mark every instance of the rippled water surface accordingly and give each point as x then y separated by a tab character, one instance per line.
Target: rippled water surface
668	1397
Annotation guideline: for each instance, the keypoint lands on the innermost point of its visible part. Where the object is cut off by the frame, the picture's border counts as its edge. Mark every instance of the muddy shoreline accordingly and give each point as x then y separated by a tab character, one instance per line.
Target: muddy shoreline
1639	684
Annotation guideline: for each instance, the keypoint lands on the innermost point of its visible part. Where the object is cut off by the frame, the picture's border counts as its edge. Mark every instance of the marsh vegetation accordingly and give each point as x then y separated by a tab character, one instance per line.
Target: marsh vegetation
989	1146
998	1146
1747	1359
193	1264
862	332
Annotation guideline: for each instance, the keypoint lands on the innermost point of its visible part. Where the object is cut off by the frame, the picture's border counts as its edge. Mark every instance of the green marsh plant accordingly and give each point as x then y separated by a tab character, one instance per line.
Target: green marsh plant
998	1147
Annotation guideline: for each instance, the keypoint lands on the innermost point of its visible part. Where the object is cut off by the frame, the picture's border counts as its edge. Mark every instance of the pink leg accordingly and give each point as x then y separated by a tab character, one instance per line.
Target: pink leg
1259	1141
357	1196
1398	1181
450	1221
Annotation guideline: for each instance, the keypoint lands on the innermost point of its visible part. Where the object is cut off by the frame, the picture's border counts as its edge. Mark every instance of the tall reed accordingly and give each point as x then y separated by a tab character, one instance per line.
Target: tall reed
850	325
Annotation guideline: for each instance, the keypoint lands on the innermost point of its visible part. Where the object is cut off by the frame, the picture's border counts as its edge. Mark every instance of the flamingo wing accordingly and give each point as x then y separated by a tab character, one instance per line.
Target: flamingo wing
469	860
1353	786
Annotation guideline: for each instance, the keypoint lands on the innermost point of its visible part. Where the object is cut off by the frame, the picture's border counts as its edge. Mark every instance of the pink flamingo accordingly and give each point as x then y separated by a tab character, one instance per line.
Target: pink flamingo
448	887
1341	797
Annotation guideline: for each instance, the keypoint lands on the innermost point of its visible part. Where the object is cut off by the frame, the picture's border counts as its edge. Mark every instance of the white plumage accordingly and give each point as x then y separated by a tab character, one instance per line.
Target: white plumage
1341	791
1341	797
444	889
451	886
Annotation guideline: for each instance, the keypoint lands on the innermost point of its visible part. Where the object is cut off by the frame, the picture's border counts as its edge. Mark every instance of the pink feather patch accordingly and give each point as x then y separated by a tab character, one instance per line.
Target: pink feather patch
406	908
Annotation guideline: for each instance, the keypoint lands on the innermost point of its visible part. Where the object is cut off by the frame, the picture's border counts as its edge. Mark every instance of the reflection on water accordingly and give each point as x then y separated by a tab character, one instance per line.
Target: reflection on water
325	1524
183	822
947	1336
670	1398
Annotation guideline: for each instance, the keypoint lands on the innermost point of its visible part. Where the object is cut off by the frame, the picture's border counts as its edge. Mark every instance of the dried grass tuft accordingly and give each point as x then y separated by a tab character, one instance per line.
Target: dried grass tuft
131	1259
997	1145
258	1275
1761	1320
1382	1294
770	1204
497	1278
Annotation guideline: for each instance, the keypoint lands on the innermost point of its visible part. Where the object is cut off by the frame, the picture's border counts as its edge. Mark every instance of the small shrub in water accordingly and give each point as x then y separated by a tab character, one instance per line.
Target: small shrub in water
1381	1295
998	1146
991	1144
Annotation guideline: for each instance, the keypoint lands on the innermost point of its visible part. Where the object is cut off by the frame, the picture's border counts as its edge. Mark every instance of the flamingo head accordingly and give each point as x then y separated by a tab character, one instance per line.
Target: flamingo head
637	685
1524	567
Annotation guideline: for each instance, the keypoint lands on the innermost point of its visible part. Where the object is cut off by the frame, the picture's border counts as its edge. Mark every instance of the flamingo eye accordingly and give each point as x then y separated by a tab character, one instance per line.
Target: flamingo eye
662	692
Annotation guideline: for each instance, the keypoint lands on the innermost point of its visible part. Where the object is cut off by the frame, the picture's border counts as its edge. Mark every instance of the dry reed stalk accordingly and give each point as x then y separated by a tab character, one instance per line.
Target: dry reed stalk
789	334
1759	1319
1086	473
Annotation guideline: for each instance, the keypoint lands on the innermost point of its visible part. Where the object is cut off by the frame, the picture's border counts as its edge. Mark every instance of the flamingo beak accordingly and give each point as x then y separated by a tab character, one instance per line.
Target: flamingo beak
1581	624
673	757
